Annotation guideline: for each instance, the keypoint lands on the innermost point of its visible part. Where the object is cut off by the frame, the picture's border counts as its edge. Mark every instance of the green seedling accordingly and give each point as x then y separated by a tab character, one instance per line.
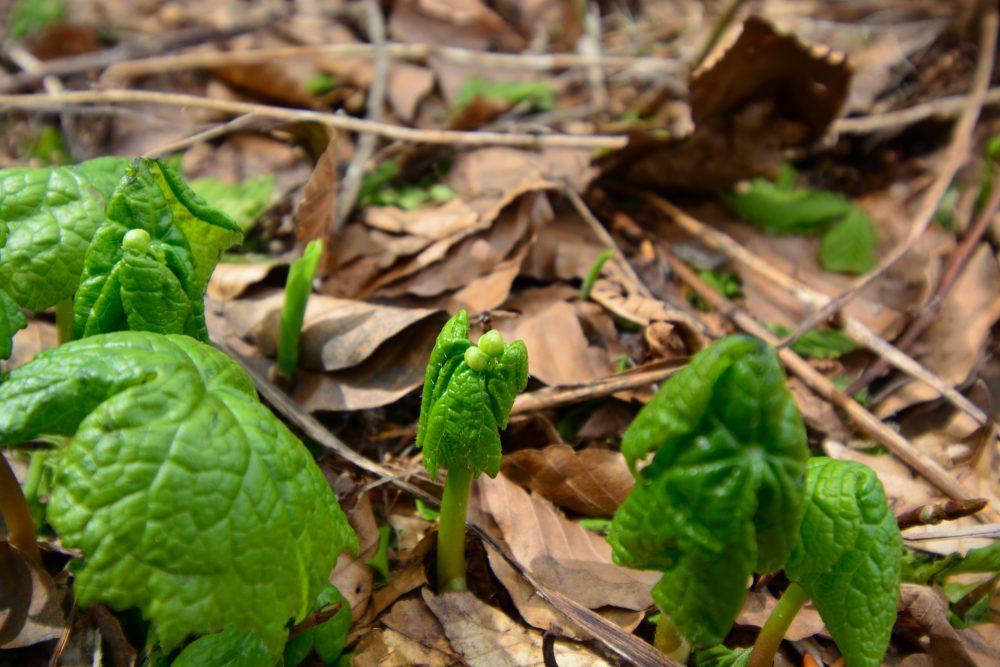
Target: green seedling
298	287
383	187
818	343
594	273
112	245
722	497
32	17
847	561
848	235
539	94
725	496
723	282
186	497
468	392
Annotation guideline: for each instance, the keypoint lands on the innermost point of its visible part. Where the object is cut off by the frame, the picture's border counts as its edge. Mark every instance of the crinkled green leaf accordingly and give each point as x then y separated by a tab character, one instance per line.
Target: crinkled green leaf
328	638
722	497
231	648
462	409
243	202
50	216
848	557
849	245
298	287
160	288
11	321
188	499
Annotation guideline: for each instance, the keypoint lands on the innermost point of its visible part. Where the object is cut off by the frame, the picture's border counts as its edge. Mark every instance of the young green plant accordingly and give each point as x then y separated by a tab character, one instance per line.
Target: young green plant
298	287
187	498
468	392
723	494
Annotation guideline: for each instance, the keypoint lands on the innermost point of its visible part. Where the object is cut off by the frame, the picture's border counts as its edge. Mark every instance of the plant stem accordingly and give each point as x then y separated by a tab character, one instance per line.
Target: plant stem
64	321
17	514
451	532
669	641
766	646
32	488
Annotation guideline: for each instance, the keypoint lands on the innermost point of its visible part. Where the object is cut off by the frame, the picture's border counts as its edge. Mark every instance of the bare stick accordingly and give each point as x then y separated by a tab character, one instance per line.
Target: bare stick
931	515
60	103
932	306
351	184
864	420
147	46
957	154
207	134
558	396
944	107
853	327
396	50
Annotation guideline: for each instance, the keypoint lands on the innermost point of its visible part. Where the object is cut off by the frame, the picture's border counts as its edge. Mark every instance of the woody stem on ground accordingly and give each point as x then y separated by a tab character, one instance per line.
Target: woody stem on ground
451	532
766	646
64	320
17	514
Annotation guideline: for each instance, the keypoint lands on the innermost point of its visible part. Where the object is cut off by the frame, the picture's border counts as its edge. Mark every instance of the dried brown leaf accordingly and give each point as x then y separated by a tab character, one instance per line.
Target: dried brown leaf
592	482
30	609
928	609
484	635
561	554
315	214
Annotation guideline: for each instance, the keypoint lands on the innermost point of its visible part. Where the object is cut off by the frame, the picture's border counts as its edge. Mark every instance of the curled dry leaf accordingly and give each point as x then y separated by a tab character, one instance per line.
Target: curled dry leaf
484	635
561	554
30	606
388	648
412	617
230	280
641	310
315	214
591	482
927	608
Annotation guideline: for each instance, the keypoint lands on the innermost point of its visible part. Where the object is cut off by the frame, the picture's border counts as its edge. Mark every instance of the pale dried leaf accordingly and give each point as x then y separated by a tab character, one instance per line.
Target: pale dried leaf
408	86
484	635
388	648
561	554
229	280
592	482
315	214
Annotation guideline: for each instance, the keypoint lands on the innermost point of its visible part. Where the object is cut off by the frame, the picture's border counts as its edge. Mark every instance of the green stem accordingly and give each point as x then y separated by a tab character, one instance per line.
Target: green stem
17	514
451	532
766	646
669	641
32	487
64	321
594	273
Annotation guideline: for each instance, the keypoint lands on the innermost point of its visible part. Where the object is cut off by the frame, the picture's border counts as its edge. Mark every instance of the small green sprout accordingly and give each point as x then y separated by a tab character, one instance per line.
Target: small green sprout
594	273
298	287
467	396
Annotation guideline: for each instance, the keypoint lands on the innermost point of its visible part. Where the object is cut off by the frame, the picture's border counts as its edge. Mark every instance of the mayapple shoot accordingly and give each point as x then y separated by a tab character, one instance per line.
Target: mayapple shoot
468	392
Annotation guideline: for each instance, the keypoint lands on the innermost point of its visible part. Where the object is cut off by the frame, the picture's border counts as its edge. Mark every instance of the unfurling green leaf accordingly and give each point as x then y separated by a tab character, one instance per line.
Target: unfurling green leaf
188	499
243	202
849	245
156	280
722	497
464	402
848	558
11	321
50	216
231	648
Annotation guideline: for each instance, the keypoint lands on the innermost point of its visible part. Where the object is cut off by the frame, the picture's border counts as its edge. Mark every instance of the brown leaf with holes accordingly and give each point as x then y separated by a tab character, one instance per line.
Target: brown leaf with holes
591	482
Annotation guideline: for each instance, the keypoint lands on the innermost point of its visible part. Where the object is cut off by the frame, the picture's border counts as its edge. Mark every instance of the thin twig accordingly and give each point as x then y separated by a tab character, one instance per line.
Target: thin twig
351	183
864	420
149	45
607	240
207	134
932	306
396	50
988	531
558	396
933	514
944	107
590	46
60	103
957	153
853	327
